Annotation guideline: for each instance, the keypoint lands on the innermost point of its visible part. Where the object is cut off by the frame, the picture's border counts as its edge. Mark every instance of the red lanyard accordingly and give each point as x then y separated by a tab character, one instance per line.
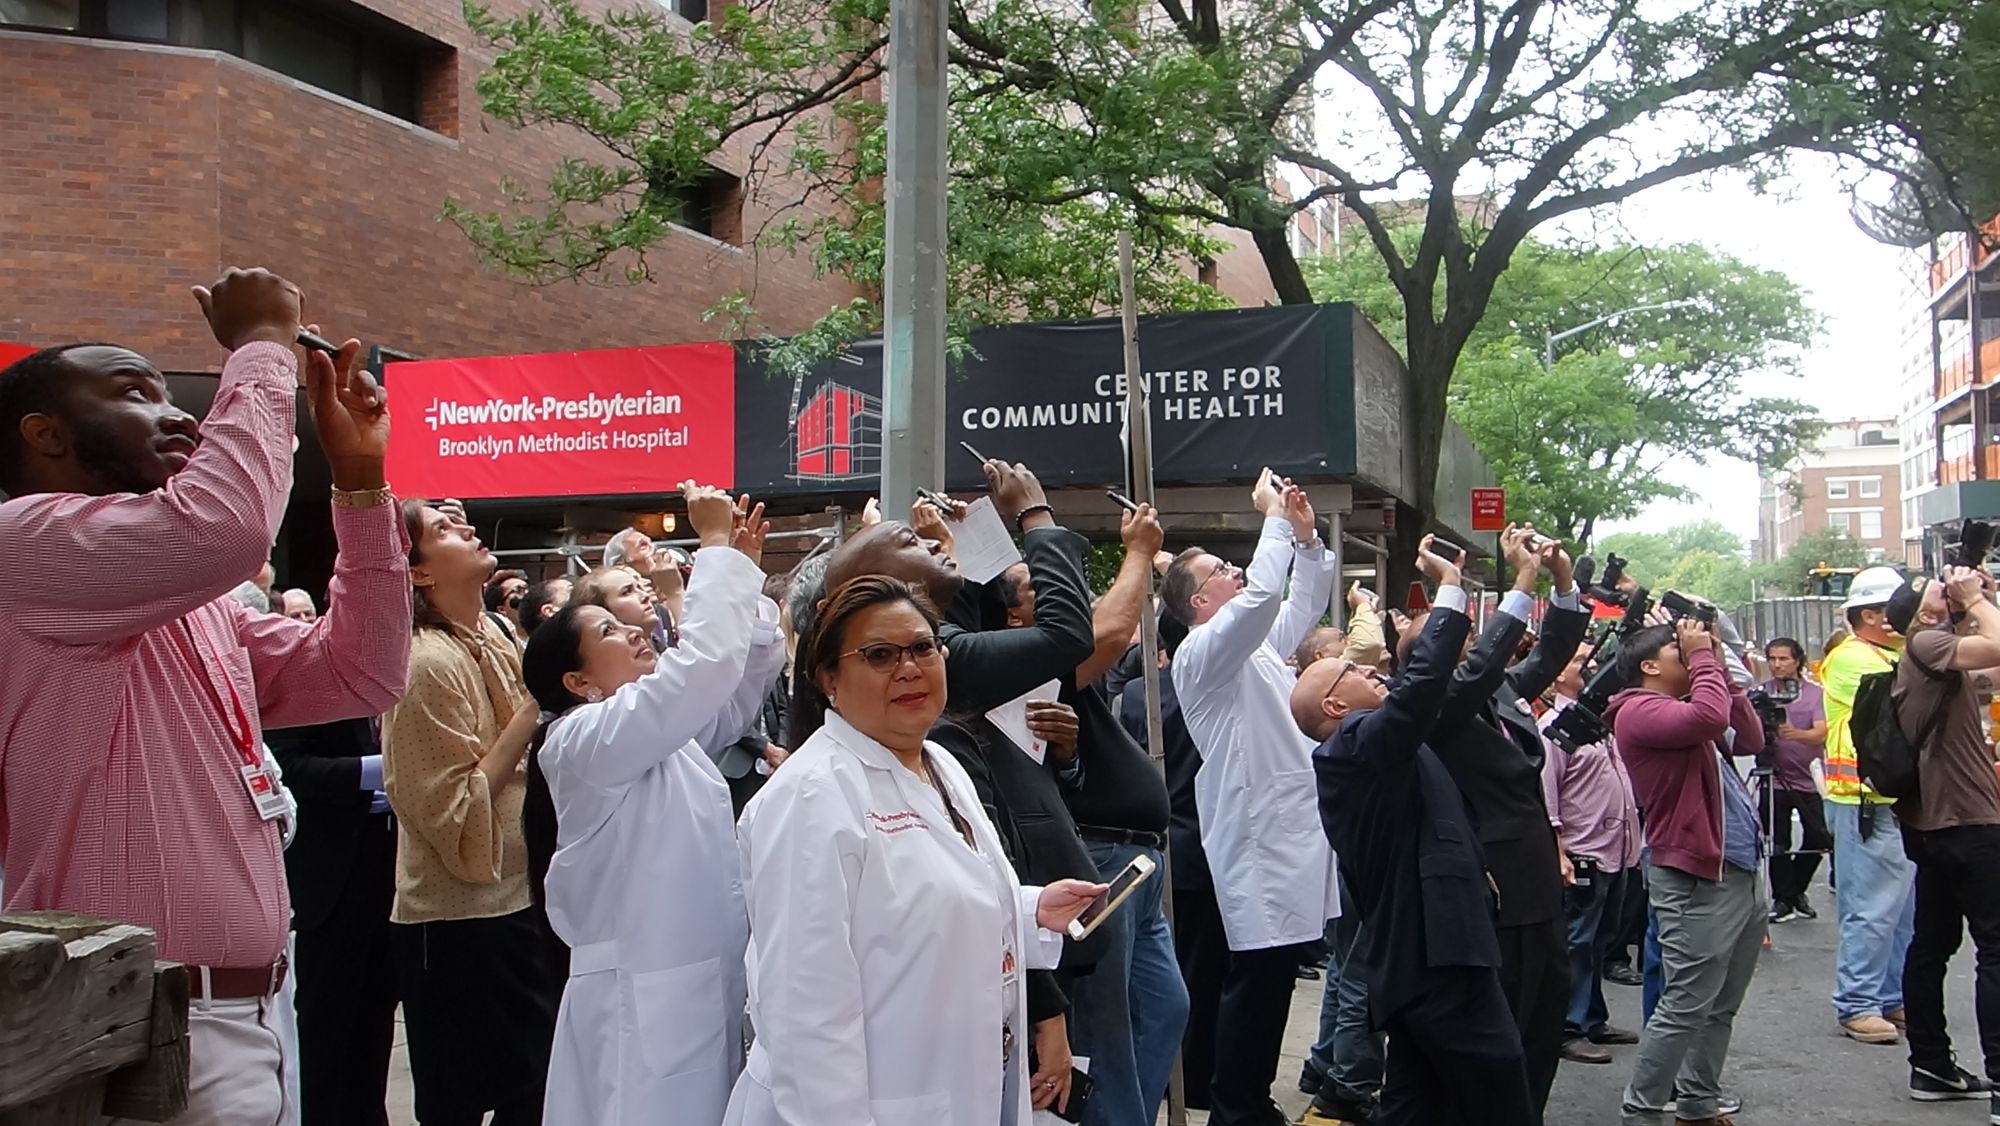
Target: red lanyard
241	734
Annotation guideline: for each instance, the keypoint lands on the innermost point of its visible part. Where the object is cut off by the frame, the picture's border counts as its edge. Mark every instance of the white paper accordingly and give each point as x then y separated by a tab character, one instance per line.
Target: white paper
1049	1117
981	543
1012	719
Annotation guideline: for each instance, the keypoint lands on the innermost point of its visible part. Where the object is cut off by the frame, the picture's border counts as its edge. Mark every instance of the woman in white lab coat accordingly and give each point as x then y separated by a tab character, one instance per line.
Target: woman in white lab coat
888	931
644	884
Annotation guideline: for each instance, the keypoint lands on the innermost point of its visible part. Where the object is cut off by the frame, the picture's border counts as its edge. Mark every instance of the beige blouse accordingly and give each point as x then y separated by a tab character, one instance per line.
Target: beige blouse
460	853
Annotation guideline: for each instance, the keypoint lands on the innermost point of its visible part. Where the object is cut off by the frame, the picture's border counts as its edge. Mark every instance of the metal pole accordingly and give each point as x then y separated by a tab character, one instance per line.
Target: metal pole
914	305
1139	486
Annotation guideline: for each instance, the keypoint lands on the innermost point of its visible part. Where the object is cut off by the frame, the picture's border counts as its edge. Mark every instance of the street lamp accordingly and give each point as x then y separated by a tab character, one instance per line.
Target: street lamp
1549	341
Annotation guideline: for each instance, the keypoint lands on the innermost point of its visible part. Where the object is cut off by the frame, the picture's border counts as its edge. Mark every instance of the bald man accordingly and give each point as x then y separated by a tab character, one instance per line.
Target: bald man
1410	861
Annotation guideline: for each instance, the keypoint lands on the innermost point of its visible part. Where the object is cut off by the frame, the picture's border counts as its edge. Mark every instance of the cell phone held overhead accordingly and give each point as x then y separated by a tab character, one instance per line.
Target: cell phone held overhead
1120	889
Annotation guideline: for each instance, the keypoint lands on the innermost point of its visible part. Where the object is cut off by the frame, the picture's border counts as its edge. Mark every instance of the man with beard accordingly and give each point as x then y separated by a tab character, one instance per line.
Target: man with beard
134	693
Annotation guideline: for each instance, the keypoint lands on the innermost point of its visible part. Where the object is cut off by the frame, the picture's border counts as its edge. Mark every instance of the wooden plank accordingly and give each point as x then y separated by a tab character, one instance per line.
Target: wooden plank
156	1089
62	924
76	1105
71	1011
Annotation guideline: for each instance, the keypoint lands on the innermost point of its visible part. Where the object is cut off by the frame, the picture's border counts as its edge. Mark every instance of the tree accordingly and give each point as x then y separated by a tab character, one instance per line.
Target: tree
1951	113
1701	558
1832	547
1177	115
1586	439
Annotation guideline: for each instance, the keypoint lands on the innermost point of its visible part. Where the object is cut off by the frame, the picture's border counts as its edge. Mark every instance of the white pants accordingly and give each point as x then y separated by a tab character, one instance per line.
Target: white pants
241	1061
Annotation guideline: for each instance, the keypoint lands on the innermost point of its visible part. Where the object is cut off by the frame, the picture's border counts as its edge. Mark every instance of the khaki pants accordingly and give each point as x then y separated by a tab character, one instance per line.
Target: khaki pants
240	1057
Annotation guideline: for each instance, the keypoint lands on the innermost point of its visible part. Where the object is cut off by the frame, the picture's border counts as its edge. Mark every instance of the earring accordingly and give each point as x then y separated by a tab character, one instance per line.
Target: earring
833	700
593	696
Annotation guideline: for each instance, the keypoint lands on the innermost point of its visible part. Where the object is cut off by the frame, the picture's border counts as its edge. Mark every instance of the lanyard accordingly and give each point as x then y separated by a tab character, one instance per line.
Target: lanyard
241	734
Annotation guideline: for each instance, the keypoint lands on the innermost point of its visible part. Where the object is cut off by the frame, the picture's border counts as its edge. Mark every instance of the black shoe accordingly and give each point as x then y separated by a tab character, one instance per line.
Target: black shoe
1993	1109
1623	975
1309	973
1332	1107
1784	913
1310	1079
1936	1085
1804	907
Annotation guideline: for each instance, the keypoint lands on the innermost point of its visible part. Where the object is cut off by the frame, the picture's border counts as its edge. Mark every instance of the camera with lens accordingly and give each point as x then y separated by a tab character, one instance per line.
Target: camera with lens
1975	542
1770	704
1688	606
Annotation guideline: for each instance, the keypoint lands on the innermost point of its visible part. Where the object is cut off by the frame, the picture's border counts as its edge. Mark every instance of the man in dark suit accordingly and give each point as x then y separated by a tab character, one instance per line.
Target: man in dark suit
1486	737
1410	861
342	871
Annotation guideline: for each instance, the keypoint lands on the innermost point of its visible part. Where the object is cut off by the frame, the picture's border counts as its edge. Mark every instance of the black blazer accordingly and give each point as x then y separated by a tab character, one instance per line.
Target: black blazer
1189	863
322	768
1400	825
1486	736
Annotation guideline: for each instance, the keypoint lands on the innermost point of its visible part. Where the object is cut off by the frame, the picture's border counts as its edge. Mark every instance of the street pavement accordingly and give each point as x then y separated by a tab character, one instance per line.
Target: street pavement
1788	1062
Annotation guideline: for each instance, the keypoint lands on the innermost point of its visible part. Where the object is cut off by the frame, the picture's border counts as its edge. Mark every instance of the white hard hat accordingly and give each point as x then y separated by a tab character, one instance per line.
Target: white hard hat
1872	587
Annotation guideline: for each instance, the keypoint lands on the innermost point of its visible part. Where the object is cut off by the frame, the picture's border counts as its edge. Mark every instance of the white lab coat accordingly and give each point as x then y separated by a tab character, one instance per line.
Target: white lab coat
1258	799
645	885
876	947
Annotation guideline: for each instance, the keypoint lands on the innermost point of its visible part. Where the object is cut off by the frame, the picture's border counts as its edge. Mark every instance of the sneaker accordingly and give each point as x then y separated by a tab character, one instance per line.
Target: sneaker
1993	1109
1869	1030
1724	1105
1310	1079
1623	974
1784	913
1936	1085
1308	973
1804	907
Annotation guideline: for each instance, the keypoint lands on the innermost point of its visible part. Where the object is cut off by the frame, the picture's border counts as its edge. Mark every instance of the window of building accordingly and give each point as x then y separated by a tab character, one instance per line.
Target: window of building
334	45
1836	489
712	205
1871	524
1871	486
1206	273
1838	522
693	11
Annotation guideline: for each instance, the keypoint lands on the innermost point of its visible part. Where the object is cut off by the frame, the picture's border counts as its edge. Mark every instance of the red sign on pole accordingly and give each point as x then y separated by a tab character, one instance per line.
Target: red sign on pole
1489	510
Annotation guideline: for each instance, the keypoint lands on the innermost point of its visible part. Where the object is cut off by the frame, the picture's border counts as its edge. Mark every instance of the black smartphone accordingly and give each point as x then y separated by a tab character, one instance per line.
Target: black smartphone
967	446
1080	1086
1121	500
316	343
1445	549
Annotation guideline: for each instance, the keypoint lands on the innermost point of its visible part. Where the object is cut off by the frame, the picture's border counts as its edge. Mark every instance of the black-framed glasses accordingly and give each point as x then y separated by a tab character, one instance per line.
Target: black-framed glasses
1342	675
885	657
1222	567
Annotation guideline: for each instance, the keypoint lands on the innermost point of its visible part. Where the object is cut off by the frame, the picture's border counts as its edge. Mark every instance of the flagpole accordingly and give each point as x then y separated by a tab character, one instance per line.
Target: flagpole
1139	486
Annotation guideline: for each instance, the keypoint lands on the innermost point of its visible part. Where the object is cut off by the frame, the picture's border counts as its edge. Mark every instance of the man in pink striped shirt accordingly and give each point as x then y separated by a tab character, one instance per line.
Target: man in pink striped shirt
134	693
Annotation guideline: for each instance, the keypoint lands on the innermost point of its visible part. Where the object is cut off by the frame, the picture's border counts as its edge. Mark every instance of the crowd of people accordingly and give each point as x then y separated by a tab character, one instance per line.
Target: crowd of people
675	840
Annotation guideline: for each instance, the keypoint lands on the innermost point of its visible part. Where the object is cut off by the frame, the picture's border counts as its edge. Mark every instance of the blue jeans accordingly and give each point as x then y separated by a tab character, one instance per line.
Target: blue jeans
1348	1054
1877	910
1588	908
1651	967
1128	1013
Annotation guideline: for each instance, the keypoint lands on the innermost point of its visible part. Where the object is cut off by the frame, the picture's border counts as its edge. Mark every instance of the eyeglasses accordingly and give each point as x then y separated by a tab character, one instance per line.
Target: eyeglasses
1222	567
884	657
1366	673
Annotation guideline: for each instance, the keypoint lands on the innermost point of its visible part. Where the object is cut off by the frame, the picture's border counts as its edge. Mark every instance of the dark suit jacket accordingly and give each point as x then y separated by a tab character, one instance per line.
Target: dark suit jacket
1188	863
322	768
1486	736
1408	855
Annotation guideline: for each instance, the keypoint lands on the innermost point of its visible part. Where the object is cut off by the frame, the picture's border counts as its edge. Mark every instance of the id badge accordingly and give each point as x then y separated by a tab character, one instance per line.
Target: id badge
262	783
1009	973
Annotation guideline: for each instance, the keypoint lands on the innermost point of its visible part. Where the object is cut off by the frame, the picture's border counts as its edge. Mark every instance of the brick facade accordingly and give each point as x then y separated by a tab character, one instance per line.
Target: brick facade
129	172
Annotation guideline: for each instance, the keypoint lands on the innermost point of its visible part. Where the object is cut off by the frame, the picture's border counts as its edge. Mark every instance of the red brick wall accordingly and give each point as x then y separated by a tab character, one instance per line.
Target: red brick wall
128	173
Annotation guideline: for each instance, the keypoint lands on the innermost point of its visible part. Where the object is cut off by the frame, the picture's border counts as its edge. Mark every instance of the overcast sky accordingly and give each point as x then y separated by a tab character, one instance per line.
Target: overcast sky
1856	284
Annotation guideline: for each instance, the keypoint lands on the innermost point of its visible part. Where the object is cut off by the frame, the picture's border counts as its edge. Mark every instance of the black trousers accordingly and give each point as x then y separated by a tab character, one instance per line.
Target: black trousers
1792	874
1455	1058
1202	949
1534	977
1627	919
345	974
479	1009
1958	887
1250	1032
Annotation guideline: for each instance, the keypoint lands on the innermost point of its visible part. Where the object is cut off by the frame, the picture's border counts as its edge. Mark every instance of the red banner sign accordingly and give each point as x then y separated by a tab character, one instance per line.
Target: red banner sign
1489	510
619	421
11	352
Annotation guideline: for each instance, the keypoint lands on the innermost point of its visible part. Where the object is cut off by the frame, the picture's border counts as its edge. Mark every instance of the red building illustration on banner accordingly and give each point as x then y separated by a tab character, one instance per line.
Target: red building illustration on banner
837	435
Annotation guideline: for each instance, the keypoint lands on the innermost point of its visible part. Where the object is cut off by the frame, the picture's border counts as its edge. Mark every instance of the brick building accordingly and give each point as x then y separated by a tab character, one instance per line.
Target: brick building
1851	481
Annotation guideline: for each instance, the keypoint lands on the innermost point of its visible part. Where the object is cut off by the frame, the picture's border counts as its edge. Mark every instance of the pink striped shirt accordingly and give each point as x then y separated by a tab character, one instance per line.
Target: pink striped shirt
121	794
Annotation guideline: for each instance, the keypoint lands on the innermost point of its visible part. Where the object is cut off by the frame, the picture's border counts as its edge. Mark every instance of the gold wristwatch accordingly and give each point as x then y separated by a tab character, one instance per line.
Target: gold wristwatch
363	498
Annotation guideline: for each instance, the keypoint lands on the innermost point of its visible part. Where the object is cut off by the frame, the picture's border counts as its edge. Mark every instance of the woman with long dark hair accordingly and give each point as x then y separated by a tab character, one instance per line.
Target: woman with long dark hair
888	931
478	1002
644	882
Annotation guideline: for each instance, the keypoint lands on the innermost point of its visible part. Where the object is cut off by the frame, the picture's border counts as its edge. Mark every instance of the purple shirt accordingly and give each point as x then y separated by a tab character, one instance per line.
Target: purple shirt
1795	759
1590	802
